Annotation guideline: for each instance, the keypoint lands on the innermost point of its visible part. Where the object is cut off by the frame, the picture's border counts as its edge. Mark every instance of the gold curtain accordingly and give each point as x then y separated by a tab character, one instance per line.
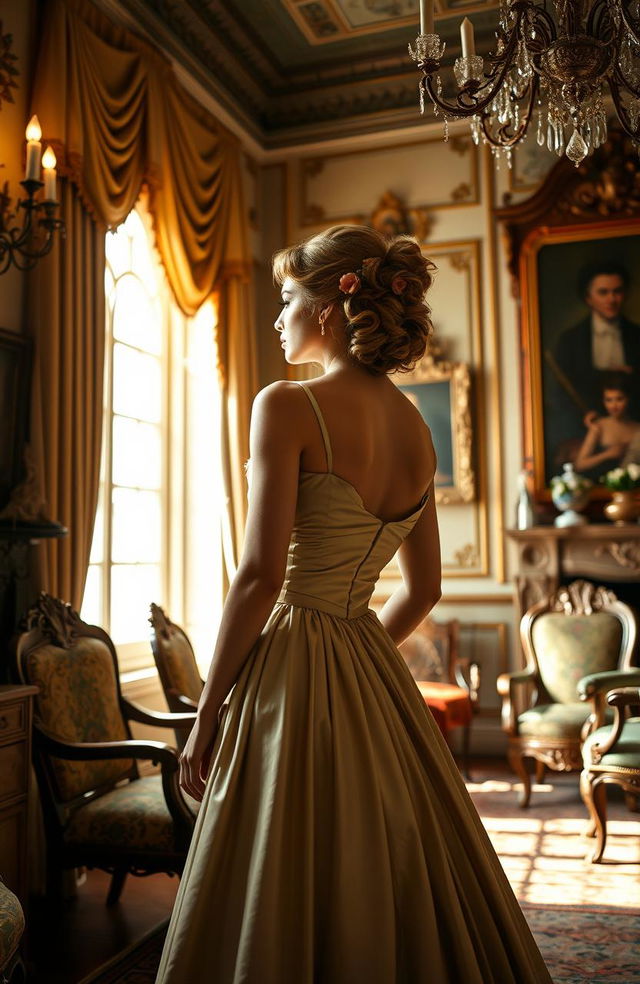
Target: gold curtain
65	314
238	389
117	118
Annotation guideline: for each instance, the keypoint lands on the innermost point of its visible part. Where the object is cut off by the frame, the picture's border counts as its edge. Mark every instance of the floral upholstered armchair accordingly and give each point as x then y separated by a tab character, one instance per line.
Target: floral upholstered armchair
176	665
99	810
11	929
581	629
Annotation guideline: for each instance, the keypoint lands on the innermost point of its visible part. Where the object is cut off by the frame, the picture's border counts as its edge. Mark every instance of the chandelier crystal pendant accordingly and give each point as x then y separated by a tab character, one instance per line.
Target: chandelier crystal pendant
554	63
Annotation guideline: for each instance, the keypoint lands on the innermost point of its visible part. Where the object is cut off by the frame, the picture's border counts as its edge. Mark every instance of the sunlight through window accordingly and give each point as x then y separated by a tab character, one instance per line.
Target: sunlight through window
157	529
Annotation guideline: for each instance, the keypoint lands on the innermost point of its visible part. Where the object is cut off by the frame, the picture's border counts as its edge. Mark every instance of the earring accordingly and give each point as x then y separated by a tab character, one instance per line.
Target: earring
322	329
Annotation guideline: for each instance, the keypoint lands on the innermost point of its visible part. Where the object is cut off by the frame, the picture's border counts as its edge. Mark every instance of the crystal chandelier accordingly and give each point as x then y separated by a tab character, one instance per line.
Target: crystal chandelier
553	63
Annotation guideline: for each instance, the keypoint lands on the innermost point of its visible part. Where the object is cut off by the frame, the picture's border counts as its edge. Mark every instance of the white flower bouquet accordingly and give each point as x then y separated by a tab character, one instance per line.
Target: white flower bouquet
622	479
570	484
569	493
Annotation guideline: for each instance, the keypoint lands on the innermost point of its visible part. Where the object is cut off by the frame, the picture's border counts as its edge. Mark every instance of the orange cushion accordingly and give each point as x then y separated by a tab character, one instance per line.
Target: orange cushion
450	705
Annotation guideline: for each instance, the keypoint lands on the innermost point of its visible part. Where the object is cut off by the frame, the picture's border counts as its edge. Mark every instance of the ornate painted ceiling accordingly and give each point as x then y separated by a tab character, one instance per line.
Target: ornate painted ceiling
292	71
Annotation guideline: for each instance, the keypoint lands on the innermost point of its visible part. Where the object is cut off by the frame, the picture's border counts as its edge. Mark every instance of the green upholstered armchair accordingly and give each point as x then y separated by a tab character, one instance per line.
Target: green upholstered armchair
11	929
581	629
176	665
99	811
611	756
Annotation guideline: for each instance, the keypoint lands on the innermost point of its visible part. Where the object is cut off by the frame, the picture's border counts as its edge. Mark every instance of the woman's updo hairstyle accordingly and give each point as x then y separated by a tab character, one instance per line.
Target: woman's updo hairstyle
388	322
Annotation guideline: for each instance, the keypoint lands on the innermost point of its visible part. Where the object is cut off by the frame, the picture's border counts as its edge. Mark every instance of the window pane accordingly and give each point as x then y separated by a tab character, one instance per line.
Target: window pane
91	610
133	588
143	261
97	542
136	384
118	251
136	527
137	319
136	454
109	286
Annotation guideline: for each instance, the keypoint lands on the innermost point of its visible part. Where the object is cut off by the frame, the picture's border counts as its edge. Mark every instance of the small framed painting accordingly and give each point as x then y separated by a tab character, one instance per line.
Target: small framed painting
441	391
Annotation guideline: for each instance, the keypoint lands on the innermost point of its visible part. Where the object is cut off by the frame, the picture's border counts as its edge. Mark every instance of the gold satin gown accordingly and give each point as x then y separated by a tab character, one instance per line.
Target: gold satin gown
336	843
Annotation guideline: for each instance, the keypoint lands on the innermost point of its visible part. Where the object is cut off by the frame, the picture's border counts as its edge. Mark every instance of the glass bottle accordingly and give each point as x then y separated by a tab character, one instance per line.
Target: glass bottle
524	507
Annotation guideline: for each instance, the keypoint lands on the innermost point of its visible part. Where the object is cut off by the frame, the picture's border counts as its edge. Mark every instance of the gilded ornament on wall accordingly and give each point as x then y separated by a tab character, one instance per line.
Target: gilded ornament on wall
392	217
8	71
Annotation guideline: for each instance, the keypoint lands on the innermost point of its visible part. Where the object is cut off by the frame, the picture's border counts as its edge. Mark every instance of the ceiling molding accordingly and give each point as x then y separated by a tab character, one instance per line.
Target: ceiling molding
254	63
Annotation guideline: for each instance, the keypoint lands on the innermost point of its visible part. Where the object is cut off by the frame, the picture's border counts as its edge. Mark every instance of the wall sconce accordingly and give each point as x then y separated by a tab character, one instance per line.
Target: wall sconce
23	246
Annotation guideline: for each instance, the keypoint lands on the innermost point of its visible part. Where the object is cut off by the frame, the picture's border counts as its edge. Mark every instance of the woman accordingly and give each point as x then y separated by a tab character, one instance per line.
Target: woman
336	843
609	438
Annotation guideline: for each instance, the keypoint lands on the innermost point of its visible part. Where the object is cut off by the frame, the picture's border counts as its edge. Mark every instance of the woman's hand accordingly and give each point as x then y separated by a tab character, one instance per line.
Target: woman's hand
196	756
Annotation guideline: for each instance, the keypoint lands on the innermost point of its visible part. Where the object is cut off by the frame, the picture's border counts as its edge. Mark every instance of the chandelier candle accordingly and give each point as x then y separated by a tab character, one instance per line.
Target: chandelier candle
426	16
553	65
467	38
34	149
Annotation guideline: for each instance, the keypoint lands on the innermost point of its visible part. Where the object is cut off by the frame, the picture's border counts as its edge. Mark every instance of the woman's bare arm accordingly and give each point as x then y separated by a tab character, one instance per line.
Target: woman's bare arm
588	457
421	569
275	462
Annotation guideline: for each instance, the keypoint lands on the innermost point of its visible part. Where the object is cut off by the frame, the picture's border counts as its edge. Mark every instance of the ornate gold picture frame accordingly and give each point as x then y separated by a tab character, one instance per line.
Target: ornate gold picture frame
553	262
555	241
441	391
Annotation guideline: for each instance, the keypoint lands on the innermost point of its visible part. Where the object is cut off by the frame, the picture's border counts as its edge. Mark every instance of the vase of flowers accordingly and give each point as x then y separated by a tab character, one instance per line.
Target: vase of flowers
624	485
569	493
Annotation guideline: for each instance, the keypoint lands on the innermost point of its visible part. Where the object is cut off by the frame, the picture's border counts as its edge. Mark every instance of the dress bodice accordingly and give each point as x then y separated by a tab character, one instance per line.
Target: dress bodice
337	547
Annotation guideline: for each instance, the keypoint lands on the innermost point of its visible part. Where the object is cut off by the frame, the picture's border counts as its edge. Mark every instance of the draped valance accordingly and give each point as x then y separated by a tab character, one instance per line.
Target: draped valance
118	118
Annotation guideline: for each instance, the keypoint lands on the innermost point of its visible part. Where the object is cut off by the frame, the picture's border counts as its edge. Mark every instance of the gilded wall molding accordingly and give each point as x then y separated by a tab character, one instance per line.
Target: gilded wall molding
464	257
462	195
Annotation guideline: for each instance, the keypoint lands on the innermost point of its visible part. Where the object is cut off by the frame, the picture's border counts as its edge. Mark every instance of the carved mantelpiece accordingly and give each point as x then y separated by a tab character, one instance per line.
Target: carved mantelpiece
547	556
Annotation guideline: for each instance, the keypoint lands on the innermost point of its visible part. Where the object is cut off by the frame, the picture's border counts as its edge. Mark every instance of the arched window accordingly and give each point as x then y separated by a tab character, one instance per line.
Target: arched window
156	536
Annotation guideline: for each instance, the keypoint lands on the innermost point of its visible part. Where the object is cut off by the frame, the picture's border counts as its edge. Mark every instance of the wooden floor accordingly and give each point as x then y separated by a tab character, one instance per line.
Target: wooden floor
68	940
542	850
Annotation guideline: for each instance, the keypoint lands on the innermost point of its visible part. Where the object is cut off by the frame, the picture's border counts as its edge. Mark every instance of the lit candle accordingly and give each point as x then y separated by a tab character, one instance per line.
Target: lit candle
34	149
49	165
426	16
467	38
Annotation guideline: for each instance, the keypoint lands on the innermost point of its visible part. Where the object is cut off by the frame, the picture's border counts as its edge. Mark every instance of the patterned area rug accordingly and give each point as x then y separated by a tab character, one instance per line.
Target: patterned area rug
580	945
587	944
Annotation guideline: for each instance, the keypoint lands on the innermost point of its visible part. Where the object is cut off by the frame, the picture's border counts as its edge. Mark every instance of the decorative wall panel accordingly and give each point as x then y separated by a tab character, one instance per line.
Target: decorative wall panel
456	302
342	187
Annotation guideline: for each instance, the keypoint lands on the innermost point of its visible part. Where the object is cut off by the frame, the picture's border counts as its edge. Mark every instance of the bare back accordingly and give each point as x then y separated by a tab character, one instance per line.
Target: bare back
380	443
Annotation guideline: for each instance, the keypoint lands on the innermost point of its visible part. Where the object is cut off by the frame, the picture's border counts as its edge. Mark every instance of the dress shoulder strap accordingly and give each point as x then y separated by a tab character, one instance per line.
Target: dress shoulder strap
323	426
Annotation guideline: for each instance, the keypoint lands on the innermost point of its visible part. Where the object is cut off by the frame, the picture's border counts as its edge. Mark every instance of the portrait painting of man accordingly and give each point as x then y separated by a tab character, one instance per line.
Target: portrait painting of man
589	308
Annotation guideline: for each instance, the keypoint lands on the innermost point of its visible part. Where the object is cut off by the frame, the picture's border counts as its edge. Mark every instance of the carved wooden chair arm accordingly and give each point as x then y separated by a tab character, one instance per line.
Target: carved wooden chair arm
128	748
507	683
183	700
161	719
155	751
624	696
619	700
469	682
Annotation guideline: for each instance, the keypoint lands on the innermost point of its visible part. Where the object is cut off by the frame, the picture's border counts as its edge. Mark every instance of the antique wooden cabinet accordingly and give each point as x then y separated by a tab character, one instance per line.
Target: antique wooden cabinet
15	764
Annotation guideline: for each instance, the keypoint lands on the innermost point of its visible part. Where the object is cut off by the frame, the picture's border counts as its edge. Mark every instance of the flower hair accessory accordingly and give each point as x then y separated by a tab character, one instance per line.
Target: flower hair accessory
398	285
349	283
